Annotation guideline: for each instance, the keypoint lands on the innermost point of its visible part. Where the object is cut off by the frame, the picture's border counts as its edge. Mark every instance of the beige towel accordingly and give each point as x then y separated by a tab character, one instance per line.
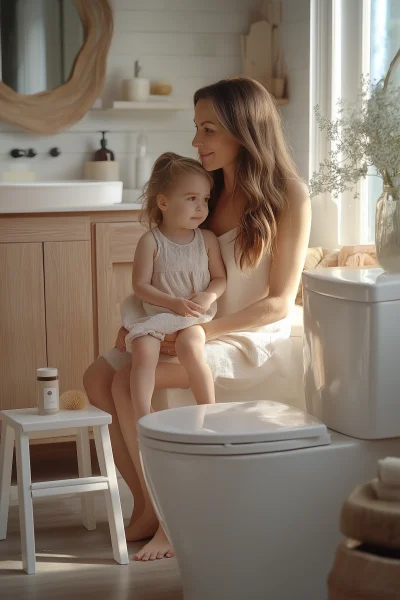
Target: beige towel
389	472
384	492
348	256
358	256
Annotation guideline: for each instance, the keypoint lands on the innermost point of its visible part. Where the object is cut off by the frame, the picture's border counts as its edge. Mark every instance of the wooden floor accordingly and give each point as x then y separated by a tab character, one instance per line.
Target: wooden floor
73	562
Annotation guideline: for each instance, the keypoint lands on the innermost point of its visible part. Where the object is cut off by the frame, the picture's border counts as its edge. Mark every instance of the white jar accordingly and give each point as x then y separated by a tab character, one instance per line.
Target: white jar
137	89
47	391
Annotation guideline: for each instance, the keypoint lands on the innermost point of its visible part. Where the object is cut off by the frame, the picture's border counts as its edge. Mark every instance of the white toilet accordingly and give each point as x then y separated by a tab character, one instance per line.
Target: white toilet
250	492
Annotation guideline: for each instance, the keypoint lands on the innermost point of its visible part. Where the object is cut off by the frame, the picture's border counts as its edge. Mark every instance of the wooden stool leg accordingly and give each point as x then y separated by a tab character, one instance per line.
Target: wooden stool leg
113	502
6	456
25	502
85	470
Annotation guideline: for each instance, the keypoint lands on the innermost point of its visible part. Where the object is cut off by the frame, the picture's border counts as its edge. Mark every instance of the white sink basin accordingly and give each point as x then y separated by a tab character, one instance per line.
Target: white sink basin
58	194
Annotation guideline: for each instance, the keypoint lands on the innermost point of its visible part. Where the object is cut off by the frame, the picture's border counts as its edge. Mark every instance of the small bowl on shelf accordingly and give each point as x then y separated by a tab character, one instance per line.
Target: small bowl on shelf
160	88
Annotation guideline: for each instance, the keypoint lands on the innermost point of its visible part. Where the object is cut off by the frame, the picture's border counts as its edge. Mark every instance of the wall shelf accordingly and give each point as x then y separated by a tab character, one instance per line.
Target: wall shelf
119	105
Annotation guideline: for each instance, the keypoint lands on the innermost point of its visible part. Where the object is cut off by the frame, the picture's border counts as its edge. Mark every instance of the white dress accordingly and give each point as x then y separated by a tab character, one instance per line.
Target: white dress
179	270
238	360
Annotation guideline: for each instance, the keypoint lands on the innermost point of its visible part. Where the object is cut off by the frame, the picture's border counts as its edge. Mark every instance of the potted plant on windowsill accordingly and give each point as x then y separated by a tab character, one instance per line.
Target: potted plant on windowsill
366	141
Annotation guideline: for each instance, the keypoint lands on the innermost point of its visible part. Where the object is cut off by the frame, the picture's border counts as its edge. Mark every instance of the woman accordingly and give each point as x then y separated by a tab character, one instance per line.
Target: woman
260	211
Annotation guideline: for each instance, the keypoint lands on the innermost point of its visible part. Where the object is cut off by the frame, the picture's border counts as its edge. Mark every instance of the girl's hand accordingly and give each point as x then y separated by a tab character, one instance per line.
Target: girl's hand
120	341
168	345
186	308
204	299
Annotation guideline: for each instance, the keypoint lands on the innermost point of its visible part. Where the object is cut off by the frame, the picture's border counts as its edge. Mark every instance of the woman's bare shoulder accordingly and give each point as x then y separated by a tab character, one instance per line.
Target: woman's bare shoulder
297	192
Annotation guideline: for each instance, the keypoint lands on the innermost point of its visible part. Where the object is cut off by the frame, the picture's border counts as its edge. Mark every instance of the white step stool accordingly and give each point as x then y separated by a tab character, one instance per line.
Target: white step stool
18	424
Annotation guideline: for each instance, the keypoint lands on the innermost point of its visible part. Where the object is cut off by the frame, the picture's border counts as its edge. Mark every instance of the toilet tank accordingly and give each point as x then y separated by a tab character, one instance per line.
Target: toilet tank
352	350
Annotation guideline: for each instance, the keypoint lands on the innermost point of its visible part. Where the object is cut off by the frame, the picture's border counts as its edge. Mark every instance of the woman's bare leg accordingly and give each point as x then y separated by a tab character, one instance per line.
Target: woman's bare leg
97	381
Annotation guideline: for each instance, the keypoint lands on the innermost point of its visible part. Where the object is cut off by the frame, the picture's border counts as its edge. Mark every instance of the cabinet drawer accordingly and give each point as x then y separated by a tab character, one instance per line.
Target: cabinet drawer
44	229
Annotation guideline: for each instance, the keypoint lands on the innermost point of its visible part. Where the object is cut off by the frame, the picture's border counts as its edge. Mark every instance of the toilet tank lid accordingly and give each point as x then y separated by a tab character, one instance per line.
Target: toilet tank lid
230	423
359	285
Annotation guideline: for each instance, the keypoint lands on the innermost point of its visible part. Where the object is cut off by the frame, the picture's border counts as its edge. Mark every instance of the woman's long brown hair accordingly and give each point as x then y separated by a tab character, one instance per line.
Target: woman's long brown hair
264	164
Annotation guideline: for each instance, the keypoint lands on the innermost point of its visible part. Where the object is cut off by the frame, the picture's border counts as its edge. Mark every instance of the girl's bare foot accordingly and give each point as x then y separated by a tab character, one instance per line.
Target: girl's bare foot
145	526
159	547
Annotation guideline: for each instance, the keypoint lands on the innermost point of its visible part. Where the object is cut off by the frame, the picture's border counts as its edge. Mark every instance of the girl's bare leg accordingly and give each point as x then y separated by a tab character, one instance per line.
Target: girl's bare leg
145	355
167	376
97	381
189	347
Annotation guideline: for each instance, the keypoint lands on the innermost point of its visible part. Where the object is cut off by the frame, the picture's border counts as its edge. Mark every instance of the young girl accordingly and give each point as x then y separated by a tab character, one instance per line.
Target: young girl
178	274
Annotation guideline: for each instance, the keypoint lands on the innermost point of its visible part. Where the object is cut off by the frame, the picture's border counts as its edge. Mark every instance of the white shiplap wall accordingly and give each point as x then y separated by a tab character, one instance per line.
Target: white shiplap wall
189	43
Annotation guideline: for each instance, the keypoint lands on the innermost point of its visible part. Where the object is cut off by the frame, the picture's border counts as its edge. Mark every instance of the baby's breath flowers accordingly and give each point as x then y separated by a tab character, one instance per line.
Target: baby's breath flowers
365	140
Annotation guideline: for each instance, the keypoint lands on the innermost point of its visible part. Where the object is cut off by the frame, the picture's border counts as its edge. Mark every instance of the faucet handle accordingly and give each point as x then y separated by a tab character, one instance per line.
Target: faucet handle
54	152
17	153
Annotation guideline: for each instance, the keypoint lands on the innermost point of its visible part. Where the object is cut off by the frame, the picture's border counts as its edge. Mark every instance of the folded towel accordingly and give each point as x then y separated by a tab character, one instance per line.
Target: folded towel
389	472
384	492
330	259
358	256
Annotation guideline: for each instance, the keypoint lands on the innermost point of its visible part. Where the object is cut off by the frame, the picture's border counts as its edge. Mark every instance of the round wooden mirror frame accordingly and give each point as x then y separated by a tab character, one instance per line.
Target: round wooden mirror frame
52	111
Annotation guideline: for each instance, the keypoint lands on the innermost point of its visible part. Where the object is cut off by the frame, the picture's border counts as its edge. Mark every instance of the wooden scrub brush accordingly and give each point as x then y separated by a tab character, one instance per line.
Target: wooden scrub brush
73	400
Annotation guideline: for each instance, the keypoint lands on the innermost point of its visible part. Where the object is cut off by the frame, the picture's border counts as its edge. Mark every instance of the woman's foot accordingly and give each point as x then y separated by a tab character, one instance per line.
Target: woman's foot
159	547
145	526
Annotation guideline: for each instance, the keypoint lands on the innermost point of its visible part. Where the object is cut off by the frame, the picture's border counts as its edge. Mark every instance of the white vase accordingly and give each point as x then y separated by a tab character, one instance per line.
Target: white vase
387	229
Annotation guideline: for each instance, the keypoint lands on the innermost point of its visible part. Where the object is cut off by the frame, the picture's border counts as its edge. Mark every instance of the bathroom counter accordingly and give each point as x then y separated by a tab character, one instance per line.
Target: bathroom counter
122	206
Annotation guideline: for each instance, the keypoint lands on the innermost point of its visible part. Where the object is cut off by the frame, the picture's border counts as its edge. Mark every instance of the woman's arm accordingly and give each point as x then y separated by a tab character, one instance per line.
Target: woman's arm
216	265
287	265
142	273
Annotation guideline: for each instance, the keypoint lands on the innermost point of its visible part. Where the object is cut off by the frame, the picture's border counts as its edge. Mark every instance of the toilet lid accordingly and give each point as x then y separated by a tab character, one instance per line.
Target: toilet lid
235	423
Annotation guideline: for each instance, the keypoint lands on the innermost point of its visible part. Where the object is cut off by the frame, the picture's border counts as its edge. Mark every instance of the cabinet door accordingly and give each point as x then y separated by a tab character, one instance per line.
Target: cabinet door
69	310
115	248
22	323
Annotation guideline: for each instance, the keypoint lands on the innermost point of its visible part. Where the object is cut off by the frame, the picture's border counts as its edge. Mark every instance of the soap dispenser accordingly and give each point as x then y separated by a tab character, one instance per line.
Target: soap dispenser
103	153
103	167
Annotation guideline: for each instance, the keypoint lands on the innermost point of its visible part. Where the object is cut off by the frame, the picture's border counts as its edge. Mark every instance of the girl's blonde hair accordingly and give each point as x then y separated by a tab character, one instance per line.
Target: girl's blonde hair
167	168
264	164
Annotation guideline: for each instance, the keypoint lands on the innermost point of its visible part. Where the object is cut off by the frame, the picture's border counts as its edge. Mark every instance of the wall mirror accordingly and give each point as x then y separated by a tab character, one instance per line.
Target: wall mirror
53	60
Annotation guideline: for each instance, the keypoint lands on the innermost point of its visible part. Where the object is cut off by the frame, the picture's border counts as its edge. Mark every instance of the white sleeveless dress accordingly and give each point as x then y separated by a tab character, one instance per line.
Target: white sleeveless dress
179	270
238	360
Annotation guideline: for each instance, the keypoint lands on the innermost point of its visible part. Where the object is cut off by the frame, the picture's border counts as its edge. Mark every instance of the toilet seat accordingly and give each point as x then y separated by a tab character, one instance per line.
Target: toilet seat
232	428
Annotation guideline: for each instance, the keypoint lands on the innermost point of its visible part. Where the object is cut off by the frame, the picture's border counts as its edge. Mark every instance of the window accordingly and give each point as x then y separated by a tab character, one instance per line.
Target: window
348	38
